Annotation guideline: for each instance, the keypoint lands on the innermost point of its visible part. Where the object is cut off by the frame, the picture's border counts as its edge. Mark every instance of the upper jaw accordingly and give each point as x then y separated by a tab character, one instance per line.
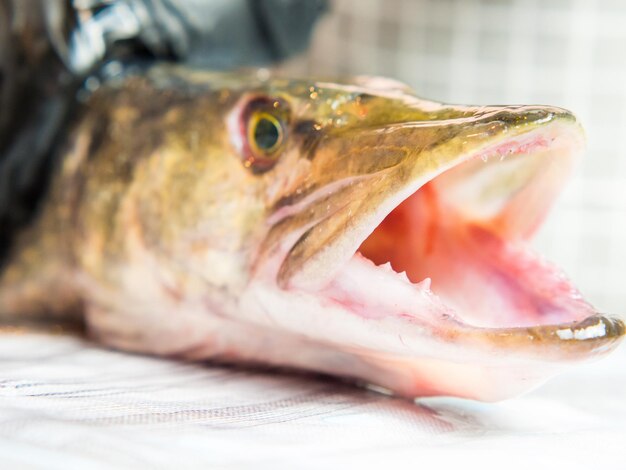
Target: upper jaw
382	166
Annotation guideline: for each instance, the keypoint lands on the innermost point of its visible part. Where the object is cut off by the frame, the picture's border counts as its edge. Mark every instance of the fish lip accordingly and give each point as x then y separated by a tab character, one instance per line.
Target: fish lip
593	336
456	340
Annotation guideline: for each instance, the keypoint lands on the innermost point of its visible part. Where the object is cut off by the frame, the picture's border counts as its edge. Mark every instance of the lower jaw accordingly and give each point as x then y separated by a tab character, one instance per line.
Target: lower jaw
417	354
374	326
417	346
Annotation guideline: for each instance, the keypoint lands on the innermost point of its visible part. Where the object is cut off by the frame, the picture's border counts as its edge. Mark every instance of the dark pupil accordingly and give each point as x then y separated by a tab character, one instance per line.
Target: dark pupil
266	134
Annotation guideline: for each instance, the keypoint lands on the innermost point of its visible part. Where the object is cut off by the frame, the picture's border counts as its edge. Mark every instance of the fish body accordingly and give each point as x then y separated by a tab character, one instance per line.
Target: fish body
346	228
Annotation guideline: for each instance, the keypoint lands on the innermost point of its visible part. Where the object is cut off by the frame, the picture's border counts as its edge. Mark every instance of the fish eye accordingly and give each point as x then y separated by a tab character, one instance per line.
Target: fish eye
265	133
263	124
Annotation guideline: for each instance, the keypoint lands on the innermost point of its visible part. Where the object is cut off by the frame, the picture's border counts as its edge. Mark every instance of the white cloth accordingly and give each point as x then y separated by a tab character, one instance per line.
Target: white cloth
65	403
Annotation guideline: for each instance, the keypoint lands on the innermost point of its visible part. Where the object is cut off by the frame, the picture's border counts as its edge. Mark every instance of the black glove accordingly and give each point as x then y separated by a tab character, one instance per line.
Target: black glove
215	33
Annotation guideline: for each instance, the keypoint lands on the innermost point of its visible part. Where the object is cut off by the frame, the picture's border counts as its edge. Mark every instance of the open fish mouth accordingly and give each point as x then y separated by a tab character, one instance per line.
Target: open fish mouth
419	266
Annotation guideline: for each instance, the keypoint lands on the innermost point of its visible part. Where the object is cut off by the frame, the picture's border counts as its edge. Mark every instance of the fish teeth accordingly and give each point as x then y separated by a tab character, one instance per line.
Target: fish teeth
404	276
387	267
425	283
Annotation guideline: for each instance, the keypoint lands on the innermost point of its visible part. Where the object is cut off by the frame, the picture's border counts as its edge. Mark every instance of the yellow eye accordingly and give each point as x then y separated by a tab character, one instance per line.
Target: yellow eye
264	130
265	133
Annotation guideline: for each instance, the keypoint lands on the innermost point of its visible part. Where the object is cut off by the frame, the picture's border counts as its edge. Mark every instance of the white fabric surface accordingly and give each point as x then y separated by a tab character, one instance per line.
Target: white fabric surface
65	403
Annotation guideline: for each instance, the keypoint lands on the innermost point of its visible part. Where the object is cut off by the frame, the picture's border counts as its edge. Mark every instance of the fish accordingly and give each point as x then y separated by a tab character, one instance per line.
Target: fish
343	227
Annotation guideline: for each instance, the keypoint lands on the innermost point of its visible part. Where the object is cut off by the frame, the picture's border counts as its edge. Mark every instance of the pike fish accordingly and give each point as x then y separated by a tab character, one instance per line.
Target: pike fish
348	228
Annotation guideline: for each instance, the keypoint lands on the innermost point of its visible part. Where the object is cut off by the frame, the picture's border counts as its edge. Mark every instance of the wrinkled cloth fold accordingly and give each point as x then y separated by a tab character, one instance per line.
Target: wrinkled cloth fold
66	403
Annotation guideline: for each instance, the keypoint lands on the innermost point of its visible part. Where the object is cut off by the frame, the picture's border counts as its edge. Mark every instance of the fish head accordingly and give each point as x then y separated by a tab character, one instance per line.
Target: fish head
359	230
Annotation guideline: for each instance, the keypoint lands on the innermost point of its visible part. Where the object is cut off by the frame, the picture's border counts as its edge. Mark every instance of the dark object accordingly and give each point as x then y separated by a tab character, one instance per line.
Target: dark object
229	33
217	33
36	92
48	47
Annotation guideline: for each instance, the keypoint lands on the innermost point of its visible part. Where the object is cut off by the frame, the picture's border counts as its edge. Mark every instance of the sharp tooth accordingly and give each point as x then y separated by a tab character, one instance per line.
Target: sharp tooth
424	284
387	266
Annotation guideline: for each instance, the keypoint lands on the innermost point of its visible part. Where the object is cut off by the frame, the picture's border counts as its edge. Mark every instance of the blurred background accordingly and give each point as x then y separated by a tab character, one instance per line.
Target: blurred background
570	53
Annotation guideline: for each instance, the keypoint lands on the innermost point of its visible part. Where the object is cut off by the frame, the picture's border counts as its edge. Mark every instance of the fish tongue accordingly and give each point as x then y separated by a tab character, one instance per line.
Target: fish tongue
494	282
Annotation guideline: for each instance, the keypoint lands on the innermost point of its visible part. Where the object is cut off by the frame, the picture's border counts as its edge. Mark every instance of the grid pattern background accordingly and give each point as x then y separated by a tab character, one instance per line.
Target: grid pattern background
570	53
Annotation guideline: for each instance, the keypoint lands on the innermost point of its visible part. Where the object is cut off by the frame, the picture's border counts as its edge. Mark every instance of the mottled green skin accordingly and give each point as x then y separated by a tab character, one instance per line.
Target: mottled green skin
149	159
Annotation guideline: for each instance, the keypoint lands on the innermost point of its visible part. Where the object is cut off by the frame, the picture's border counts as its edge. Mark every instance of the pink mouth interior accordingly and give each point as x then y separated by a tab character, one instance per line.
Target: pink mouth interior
485	279
457	247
